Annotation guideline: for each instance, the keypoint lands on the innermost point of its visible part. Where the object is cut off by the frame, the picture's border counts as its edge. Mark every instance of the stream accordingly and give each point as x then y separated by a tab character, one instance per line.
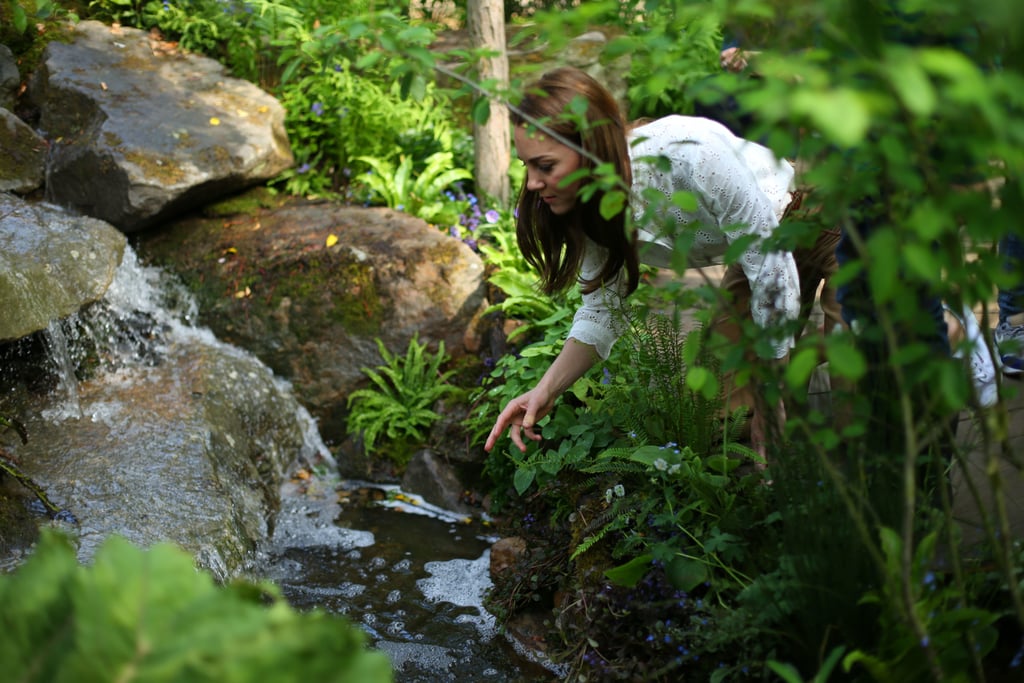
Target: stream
411	575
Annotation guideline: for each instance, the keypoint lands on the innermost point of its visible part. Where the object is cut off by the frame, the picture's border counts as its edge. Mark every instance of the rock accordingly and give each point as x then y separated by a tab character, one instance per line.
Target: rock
139	132
51	264
10	78
274	282
23	163
506	553
191	447
430	476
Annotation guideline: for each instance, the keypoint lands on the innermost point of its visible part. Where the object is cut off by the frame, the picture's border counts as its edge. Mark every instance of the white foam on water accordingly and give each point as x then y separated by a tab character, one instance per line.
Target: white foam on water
464	583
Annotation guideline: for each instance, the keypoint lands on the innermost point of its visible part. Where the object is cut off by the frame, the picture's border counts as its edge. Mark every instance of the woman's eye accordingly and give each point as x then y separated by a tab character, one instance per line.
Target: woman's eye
545	168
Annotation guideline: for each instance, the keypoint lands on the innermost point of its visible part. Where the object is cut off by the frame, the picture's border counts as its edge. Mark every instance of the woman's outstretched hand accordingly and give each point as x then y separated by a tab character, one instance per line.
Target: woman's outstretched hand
520	416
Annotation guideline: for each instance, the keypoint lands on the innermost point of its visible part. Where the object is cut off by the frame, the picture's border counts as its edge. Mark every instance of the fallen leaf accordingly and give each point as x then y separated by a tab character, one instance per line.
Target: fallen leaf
214	121
332	240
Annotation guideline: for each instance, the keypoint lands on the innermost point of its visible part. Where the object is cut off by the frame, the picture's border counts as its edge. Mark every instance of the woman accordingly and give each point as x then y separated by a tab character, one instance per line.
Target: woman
740	188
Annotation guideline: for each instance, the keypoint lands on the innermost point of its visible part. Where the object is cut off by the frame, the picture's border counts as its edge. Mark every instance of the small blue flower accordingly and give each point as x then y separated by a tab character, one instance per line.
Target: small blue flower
492	216
304	168
317	108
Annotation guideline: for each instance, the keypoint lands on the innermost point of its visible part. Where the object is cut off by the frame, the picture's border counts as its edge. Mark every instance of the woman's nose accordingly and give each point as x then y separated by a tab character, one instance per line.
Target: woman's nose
533	182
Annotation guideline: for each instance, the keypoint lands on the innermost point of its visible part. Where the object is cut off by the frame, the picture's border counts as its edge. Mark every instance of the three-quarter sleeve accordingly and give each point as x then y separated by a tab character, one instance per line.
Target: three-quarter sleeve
740	209
600	320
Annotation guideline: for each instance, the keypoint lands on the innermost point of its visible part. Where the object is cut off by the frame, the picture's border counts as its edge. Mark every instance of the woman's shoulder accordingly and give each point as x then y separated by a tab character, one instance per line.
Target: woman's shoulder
679	126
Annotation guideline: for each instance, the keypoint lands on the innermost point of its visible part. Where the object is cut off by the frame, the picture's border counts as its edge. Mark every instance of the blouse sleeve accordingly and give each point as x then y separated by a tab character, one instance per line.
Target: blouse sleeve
600	321
741	208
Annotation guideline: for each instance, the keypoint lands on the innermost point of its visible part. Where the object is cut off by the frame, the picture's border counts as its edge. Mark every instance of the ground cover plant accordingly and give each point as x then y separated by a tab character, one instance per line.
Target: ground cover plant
658	549
150	615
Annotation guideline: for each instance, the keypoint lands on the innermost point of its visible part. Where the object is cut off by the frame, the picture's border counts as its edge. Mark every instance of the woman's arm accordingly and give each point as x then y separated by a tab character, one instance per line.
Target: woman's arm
522	413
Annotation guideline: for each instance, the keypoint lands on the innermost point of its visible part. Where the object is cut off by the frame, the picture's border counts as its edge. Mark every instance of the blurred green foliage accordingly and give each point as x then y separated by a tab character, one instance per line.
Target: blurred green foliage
150	615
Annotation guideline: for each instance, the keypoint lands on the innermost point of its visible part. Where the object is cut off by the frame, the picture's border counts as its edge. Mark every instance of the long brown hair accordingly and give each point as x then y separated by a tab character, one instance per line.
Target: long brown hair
554	245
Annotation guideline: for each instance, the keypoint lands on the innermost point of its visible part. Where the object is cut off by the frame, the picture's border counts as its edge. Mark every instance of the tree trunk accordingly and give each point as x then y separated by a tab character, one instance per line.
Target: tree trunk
486	22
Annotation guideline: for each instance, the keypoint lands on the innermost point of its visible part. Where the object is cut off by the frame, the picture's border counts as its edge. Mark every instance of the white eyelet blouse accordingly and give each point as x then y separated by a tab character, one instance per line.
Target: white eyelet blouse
740	189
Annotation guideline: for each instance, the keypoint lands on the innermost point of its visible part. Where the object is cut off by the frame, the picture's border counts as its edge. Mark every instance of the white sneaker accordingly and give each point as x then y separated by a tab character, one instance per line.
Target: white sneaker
983	366
1010	343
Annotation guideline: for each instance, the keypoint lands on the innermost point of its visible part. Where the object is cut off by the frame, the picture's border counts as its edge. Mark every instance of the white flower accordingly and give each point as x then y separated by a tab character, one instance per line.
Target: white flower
661	464
620	490
608	495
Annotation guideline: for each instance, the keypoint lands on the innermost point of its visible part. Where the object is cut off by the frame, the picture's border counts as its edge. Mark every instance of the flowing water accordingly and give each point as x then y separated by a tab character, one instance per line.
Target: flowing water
411	575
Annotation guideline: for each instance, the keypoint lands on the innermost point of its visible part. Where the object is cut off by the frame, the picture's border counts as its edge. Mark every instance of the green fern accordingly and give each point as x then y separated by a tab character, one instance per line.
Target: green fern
419	194
398	408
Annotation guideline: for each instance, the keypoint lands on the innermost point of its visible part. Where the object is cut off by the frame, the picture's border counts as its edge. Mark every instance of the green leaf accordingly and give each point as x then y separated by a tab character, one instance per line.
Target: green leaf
686	201
884	251
523	477
20	18
911	83
630	573
481	110
844	358
697	378
798	371
612	203
841	114
685	573
922	260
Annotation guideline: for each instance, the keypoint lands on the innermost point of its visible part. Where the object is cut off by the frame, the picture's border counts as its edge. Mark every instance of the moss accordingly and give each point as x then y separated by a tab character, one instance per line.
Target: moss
28	46
245	203
216	156
446	251
344	287
158	168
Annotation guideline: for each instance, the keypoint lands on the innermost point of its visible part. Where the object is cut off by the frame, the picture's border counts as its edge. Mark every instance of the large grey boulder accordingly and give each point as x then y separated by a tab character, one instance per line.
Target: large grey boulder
140	133
309	287
52	263
23	161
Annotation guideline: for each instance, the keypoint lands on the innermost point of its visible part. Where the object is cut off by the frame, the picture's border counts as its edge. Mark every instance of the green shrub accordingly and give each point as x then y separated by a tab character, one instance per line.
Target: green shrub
150	616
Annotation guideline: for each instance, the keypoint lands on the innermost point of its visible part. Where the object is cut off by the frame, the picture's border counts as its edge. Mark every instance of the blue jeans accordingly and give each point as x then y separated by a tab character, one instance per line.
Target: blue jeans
1011	301
856	303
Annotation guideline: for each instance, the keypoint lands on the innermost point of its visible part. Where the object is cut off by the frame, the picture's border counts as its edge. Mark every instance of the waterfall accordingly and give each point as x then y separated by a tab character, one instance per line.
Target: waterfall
67	404
143	313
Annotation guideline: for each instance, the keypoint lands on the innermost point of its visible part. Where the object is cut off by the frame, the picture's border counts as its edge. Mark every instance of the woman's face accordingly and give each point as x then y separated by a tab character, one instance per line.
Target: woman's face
548	162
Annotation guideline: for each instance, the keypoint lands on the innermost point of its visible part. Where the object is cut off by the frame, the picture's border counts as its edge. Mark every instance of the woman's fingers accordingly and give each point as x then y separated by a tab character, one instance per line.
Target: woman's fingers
507	419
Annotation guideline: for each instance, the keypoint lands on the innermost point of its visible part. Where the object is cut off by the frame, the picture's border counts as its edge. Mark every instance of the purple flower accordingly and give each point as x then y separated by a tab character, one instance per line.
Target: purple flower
471	243
302	169
492	216
454	231
317	108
